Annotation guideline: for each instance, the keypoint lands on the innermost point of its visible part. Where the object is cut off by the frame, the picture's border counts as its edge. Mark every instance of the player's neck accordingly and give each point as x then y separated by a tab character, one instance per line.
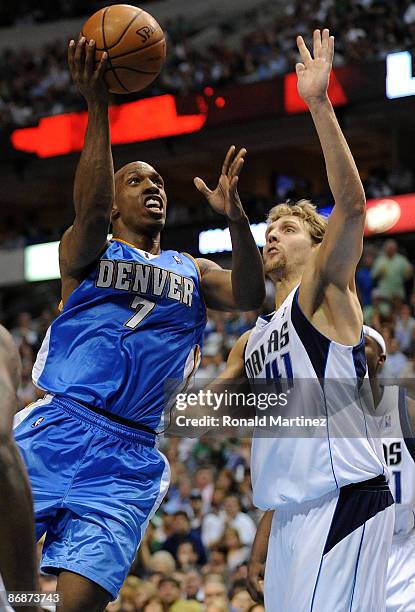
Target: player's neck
283	288
377	390
150	244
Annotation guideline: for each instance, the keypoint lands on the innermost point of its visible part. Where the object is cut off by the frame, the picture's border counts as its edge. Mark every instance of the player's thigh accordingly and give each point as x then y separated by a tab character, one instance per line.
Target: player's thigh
353	572
79	594
102	525
100	548
296	545
52	445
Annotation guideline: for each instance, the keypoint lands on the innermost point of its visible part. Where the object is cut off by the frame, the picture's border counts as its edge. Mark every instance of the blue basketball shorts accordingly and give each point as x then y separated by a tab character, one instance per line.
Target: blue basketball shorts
95	484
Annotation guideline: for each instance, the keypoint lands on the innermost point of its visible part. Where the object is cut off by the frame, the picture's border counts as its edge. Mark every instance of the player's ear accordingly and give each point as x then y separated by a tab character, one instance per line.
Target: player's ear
115	213
381	361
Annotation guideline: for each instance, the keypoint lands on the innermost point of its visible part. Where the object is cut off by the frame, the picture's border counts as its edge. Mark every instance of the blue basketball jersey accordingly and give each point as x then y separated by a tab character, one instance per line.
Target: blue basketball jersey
135	323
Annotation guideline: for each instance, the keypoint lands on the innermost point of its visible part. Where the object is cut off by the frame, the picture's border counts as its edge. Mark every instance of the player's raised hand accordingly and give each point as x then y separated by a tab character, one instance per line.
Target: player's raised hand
313	73
225	199
88	78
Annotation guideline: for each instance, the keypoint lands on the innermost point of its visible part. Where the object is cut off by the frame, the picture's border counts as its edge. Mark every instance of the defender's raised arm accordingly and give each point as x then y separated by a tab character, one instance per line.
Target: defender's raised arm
342	245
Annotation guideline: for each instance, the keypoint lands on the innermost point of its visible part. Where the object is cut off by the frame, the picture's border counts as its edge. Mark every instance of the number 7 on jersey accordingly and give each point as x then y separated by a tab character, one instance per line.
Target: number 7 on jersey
142	307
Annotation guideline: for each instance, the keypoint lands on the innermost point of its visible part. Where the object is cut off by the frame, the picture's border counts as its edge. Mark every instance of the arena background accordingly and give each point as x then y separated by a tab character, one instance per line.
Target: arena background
228	80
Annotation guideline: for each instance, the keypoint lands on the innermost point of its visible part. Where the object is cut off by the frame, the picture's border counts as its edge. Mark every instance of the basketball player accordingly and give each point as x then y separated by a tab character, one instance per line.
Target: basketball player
133	317
397	420
397	414
331	535
17	549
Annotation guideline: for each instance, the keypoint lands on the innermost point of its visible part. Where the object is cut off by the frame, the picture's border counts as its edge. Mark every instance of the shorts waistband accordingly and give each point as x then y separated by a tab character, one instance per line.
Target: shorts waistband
103	422
379	483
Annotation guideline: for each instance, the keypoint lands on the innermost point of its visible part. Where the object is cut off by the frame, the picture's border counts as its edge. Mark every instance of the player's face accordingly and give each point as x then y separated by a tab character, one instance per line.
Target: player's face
374	357
140	199
288	246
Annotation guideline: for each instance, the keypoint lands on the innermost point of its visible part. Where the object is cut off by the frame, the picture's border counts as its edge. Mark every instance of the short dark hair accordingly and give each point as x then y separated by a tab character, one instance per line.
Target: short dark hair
171	580
181	513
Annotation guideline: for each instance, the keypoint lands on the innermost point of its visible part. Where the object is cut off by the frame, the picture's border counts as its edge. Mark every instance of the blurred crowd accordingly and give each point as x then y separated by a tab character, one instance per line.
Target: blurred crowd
258	45
195	551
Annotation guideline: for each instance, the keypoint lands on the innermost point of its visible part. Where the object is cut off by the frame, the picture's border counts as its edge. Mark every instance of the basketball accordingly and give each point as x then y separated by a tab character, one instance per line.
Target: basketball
134	42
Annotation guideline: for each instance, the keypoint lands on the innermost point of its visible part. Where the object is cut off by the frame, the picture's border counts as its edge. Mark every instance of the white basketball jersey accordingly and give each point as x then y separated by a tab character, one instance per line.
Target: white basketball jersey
296	469
4	606
392	410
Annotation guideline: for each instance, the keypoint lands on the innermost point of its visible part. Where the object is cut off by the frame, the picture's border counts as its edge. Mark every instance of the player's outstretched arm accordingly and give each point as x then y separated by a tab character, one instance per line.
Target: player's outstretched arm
232	376
17	535
244	287
256	563
94	179
340	251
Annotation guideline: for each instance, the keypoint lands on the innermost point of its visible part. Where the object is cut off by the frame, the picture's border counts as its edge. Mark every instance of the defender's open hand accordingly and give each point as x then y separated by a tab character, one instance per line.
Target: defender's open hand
225	198
314	73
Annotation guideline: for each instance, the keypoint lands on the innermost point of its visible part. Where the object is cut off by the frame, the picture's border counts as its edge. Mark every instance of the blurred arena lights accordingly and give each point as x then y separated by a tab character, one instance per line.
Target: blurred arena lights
41	262
392	215
219	240
137	121
399	79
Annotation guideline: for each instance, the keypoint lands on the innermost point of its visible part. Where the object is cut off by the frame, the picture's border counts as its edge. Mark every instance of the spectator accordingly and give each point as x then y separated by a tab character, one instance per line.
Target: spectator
170	598
364	280
215	593
213	524
196	507
153	605
193	585
404	327
217	561
25	330
182	532
408	370
242	601
240	521
163	562
179	498
204	482
187	558
391	270
395	361
236	552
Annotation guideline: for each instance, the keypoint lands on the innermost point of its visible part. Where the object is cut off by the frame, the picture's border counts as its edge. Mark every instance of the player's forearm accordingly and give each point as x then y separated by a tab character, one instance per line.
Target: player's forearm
260	544
342	173
248	282
18	565
94	179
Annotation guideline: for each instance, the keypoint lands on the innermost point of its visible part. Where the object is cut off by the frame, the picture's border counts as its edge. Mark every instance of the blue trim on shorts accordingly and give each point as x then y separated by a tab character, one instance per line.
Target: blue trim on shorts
317	579
357	565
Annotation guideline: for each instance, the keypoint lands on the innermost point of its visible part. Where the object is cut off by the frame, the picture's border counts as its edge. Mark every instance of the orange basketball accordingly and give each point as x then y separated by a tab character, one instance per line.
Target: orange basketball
134	42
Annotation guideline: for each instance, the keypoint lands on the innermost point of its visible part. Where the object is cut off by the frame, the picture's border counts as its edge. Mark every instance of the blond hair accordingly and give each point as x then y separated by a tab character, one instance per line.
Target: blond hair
304	210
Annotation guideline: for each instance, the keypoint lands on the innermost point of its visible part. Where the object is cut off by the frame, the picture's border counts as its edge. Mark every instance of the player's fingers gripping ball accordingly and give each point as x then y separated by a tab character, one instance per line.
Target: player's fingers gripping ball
135	44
